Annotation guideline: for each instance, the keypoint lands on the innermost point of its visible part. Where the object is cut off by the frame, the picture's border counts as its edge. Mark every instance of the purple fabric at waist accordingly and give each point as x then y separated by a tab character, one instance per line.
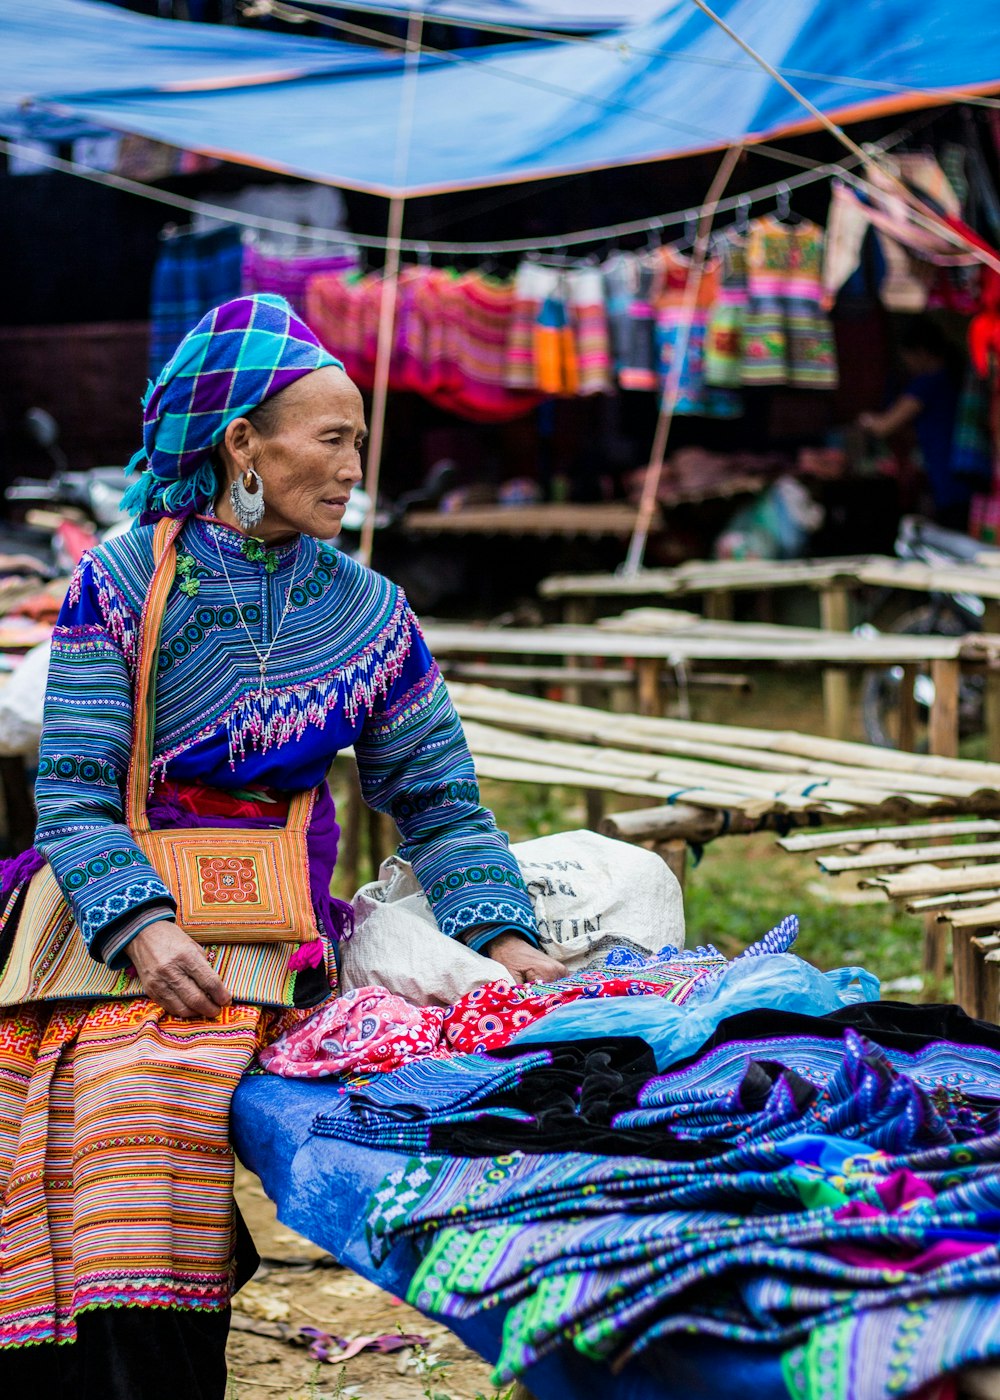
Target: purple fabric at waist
334	916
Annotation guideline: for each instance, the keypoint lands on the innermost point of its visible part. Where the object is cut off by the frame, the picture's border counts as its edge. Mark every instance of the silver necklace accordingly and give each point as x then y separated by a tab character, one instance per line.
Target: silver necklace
263	657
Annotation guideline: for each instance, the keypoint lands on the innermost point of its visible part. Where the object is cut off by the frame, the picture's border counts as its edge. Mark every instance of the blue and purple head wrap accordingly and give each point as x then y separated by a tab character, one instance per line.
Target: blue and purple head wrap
238	355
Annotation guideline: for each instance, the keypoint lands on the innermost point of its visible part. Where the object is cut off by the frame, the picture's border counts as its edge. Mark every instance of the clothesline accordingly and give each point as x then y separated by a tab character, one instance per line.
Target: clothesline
607	233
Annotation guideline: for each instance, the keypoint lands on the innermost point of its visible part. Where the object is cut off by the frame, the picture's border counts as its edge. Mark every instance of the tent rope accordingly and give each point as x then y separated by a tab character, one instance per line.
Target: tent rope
813	173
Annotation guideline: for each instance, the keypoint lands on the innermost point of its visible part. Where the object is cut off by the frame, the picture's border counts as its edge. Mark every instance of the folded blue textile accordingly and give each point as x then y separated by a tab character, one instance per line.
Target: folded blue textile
396	1110
890	1099
321	1186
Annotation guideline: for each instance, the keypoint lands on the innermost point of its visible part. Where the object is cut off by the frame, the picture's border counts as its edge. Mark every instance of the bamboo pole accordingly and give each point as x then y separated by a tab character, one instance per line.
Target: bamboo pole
521	711
657	456
816	841
390	280
624	732
934	881
893	859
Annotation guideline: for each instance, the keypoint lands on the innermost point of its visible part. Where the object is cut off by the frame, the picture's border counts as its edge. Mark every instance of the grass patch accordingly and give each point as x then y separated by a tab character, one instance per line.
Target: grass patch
744	885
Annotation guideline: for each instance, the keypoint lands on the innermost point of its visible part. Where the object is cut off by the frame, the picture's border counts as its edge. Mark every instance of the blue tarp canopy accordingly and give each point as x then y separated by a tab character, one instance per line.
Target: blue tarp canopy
563	16
75	47
672	87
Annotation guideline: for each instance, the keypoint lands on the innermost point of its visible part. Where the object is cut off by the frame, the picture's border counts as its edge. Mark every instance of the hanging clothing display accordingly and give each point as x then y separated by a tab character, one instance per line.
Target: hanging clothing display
726	318
639	369
787	336
194	273
268	268
450	337
683	335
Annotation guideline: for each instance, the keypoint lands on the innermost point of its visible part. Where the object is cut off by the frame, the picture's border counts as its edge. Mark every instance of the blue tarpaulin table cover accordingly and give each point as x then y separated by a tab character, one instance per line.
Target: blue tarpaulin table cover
321	1187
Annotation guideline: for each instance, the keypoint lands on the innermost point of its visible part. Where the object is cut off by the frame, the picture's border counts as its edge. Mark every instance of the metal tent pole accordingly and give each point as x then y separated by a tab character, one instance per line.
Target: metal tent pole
671	392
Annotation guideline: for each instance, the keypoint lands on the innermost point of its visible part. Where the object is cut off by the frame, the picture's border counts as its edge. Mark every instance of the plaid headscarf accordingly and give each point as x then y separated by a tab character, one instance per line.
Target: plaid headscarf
237	356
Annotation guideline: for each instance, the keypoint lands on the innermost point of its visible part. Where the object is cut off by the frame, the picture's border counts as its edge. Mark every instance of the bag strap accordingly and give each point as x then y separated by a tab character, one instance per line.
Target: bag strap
144	716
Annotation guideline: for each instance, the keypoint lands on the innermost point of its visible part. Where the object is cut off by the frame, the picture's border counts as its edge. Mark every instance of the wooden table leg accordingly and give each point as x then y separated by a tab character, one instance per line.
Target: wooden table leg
935	950
963	964
990	1004
674	853
942	740
985	948
991	687
834	612
649	685
719	605
577	612
595	800
907	735
943	735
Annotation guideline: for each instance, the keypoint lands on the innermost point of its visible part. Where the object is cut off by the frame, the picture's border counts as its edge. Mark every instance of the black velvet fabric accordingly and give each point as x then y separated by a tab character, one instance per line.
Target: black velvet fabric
573	1101
126	1354
133	1353
898	1025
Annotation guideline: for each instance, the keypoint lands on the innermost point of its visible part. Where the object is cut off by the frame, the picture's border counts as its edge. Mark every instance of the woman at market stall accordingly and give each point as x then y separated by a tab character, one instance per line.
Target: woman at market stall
206	668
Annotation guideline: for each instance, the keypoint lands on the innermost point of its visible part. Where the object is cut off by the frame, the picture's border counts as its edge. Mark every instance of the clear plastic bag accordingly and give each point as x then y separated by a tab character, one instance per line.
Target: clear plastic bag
775	982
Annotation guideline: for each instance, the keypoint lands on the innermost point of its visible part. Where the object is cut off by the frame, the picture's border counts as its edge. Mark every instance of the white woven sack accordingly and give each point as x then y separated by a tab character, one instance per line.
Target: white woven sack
590	894
22	701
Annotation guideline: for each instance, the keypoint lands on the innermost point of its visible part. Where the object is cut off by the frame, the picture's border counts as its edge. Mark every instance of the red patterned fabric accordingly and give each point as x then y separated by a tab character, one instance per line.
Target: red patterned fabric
370	1029
490	1016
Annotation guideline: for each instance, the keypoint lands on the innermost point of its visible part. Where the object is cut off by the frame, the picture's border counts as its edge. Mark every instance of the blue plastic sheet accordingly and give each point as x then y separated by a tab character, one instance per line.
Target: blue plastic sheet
494	115
322	1186
776	982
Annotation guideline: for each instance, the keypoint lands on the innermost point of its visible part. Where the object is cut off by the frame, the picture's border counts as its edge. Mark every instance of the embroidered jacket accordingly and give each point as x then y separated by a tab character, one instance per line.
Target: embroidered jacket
349	666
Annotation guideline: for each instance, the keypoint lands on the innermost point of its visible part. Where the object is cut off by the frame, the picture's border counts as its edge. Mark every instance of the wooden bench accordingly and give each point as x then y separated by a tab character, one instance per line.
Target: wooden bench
655	650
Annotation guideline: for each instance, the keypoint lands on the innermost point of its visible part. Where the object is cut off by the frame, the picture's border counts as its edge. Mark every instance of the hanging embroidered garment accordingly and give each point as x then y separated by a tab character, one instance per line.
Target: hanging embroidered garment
450	343
640	367
556	369
727	315
533	283
589	315
619	275
289	273
674	337
787	337
193	273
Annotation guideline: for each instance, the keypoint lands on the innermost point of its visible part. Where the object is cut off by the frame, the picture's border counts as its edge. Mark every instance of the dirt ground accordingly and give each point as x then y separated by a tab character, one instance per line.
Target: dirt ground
299	1285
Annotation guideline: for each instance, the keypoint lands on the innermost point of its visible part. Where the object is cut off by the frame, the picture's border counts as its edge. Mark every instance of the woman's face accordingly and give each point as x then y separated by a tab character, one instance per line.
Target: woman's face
308	453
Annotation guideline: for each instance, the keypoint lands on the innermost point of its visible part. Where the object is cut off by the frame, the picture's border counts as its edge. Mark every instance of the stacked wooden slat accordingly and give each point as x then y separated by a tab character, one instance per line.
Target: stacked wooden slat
695	769
954	881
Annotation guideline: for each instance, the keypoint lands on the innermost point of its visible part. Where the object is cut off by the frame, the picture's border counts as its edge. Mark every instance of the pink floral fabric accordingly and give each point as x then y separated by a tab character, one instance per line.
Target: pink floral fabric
365	1029
372	1029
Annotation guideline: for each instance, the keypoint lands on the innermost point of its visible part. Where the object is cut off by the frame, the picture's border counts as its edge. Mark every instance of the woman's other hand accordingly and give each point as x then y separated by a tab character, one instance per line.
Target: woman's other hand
523	960
175	973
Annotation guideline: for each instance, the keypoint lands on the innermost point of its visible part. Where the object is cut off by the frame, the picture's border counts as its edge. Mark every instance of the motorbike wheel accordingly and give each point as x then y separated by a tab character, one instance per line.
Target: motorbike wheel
880	688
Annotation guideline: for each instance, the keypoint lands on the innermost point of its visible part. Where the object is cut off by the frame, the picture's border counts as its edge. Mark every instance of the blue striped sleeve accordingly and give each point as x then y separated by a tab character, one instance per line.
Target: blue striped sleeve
415	764
83	762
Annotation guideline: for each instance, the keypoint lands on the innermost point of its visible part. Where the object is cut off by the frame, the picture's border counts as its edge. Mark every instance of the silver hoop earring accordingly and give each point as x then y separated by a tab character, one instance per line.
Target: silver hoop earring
248	506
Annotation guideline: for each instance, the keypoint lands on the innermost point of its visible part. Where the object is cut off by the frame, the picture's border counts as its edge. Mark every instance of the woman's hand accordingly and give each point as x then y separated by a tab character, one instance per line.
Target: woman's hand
175	973
523	959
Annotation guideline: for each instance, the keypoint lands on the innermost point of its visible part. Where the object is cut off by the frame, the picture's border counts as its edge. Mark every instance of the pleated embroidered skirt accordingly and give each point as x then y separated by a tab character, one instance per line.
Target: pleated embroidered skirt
116	1170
